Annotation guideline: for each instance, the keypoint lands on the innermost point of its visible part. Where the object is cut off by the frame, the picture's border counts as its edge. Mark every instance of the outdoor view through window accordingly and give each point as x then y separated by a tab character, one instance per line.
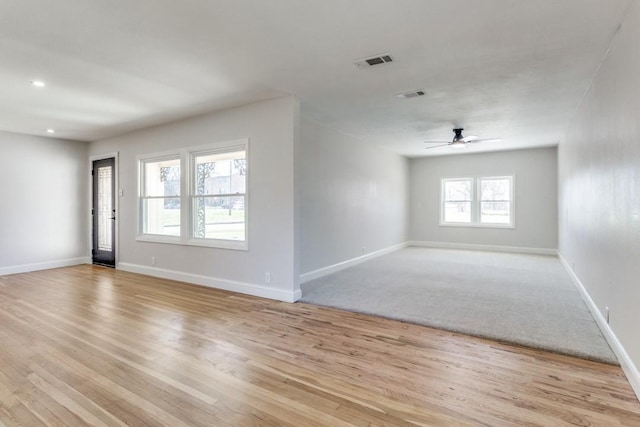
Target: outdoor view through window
219	199
479	201
207	209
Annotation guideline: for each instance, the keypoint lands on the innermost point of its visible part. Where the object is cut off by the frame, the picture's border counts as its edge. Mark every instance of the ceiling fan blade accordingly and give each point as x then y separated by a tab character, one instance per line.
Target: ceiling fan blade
437	142
475	141
436	146
470	138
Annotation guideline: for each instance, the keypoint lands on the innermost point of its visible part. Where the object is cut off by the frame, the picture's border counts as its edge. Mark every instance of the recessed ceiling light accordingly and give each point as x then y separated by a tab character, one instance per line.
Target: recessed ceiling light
412	94
37	83
51	131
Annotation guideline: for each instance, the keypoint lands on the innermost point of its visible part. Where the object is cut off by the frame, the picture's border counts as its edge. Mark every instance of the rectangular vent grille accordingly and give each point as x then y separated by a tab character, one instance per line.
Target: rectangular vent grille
412	94
373	61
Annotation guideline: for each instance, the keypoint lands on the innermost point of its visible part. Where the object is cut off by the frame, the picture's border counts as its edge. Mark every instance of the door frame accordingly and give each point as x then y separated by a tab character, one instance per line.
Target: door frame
116	245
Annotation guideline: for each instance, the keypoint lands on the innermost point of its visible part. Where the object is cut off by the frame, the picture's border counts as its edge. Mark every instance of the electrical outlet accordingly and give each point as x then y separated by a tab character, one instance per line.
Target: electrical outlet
153	261
267	277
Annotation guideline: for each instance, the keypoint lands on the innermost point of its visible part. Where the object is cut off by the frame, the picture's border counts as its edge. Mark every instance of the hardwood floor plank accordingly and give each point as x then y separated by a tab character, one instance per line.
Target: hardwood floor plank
126	395
125	357
88	345
72	399
19	416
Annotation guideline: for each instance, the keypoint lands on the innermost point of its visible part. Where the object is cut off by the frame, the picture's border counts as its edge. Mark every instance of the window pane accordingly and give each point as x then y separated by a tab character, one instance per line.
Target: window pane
457	212
221	173
219	217
162	178
172	203
459	190
105	213
161	216
495	212
495	189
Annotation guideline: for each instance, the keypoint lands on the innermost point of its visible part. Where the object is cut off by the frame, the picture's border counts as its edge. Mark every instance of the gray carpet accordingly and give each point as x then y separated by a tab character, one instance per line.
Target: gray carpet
523	299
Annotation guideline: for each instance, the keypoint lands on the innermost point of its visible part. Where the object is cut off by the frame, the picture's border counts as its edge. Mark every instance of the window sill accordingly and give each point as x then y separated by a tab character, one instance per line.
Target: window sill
472	225
158	238
221	244
208	243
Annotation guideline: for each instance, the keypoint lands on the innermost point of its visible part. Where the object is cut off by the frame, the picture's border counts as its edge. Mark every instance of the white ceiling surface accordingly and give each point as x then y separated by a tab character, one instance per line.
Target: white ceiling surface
509	69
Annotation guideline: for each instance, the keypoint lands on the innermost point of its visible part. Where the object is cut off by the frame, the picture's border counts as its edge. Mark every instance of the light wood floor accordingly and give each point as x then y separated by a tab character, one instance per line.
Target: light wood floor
92	346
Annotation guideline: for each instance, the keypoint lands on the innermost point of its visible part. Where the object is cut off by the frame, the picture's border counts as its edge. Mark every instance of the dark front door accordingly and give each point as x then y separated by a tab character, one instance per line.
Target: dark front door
103	212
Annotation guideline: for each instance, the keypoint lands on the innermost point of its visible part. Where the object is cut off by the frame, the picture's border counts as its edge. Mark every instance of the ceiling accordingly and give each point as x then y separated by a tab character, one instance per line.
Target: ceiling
507	69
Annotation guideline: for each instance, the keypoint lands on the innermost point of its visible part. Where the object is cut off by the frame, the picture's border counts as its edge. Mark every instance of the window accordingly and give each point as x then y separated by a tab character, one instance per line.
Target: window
219	195
195	196
478	201
457	195
495	200
160	196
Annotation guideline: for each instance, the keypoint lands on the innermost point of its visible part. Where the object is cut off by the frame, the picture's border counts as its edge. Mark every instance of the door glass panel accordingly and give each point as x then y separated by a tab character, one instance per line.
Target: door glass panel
105	223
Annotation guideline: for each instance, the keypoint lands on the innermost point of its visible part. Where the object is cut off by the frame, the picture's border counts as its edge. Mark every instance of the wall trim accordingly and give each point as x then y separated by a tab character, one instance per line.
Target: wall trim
26	268
213	282
629	368
311	275
488	248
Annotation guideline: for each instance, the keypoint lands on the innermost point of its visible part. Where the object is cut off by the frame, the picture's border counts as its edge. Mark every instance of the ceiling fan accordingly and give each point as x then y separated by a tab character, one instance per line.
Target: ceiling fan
460	141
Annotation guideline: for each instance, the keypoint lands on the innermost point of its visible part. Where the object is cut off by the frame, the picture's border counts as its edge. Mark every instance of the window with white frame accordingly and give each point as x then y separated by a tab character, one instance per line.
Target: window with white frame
456	200
195	196
218	196
477	201
160	196
495	194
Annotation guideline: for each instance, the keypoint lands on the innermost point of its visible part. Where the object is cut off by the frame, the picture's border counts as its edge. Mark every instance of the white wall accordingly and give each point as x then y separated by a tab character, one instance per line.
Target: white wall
271	130
599	178
354	197
43	202
535	198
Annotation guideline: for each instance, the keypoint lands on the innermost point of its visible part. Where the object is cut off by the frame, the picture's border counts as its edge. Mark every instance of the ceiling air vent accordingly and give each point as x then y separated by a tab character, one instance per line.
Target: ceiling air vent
412	94
374	60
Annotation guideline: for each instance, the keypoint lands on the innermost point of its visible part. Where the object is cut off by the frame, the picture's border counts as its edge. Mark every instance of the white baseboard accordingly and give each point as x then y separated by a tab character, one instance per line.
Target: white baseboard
213	282
629	368
26	268
488	248
349	263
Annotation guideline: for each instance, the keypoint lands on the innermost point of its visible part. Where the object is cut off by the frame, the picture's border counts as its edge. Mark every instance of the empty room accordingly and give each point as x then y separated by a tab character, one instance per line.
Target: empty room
319	213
